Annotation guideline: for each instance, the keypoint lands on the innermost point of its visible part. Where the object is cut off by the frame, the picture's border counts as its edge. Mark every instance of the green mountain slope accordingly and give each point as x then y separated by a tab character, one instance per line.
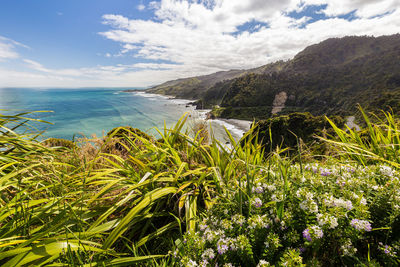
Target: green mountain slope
194	87
197	87
327	78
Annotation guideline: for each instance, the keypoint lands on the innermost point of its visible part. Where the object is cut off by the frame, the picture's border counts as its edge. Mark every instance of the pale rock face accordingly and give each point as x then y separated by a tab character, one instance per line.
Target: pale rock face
351	124
279	102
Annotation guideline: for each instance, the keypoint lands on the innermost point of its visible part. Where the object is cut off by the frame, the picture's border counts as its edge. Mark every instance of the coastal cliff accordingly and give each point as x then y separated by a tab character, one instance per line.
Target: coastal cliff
326	78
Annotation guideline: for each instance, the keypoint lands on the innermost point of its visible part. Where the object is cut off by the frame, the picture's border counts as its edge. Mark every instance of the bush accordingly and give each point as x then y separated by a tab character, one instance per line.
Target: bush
124	137
59	142
287	130
127	131
326	215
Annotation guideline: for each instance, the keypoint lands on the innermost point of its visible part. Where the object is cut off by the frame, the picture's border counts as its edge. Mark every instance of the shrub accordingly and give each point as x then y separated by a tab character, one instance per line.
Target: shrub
124	137
286	131
327	215
59	142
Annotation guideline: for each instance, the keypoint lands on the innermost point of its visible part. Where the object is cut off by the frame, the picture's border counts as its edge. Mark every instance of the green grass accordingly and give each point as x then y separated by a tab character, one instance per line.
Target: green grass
128	199
379	142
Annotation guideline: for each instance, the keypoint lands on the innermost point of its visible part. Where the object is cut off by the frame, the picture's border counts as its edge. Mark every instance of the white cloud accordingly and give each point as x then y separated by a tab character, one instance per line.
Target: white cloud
362	8
104	76
63	72
141	7
201	33
154	5
201	36
128	47
141	74
8	49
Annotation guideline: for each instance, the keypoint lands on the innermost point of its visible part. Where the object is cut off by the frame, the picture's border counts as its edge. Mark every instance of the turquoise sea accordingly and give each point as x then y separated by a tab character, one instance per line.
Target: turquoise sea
78	112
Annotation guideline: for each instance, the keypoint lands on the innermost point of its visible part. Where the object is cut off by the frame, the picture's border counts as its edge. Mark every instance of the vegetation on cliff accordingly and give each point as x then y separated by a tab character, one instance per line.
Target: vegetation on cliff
290	131
328	78
194	87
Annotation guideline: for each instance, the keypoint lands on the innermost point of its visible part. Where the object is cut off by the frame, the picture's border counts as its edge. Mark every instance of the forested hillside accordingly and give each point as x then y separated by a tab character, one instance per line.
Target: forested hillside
326	78
197	87
194	87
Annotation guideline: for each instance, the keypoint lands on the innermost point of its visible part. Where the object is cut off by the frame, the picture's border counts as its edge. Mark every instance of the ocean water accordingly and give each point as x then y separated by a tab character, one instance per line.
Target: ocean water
77	112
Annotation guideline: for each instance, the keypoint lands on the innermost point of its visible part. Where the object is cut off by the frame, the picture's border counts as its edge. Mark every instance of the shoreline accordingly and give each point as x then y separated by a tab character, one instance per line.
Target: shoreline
236	127
216	126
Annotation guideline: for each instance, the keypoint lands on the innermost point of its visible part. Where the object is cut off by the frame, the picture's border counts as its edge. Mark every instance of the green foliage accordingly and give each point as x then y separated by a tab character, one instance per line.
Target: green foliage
287	131
58	142
243	113
379	142
121	138
182	200
298	217
127	131
107	209
186	88
52	211
194	87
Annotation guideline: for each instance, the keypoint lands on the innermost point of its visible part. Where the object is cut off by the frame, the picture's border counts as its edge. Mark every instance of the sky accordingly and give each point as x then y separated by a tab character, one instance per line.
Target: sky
139	43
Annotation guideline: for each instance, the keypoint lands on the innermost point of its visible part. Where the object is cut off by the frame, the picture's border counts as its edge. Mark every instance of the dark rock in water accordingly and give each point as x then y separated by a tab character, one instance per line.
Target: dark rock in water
210	116
199	104
133	90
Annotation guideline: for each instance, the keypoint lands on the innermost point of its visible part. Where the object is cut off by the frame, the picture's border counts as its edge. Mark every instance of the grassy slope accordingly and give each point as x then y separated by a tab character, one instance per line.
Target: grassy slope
132	199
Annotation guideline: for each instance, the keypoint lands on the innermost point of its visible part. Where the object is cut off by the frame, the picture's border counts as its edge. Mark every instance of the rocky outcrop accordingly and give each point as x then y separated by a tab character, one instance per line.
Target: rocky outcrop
279	102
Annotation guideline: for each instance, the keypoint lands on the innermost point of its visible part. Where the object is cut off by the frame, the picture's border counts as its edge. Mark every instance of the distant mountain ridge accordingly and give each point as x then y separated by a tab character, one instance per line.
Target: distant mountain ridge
326	78
194	87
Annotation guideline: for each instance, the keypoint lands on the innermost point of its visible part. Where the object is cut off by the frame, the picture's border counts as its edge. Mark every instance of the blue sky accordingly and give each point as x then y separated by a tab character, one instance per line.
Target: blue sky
76	43
65	33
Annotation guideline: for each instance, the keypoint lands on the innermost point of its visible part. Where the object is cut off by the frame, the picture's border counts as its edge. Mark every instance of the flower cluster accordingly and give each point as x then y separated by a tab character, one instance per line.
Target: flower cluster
348	249
328	220
257	202
388	250
338	202
263	263
208	254
309	205
361	225
258	221
312	233
386	170
320	210
222	246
